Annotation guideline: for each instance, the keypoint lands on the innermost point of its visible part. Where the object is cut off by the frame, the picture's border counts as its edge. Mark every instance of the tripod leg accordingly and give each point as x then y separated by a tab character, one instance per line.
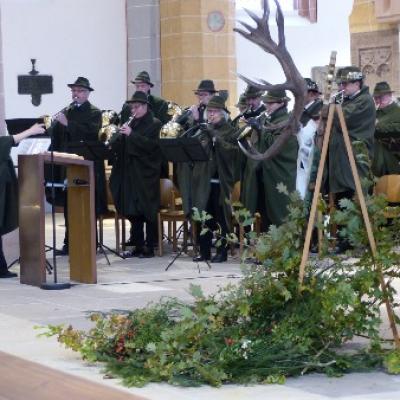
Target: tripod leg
100	248
49	267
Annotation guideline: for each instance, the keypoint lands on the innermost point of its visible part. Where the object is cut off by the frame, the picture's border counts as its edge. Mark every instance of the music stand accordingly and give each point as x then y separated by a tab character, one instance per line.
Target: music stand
185	149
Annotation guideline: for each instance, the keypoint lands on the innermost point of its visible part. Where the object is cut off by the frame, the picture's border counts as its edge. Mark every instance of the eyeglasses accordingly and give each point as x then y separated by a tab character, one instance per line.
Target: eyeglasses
76	90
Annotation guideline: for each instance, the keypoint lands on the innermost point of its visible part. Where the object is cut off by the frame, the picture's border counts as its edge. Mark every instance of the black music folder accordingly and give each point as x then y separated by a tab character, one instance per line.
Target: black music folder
18	125
183	150
89	150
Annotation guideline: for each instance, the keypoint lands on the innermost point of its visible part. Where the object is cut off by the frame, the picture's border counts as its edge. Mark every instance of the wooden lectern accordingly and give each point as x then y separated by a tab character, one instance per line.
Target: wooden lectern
81	218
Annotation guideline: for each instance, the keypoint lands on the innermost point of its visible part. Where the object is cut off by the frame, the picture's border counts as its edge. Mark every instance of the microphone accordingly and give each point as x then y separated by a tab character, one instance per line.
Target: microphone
79	182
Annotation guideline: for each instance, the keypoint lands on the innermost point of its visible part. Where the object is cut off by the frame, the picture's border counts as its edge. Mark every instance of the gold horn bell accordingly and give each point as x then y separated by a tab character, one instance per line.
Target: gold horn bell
109	125
172	129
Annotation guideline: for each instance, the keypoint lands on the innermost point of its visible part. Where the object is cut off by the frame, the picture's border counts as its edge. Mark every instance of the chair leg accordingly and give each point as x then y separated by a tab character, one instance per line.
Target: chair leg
160	235
123	234
185	235
117	237
194	238
169	232
174	241
101	220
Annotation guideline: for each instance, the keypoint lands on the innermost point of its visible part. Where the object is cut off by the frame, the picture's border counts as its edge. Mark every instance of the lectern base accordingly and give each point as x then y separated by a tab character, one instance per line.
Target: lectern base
55	286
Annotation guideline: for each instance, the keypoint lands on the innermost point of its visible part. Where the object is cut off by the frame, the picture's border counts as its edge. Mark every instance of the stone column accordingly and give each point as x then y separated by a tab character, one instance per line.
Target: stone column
197	42
143	37
374	33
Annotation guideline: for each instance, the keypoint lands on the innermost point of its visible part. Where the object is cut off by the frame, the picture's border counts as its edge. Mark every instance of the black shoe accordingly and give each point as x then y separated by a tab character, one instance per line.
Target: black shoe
8	274
129	243
137	252
219	258
147	253
201	258
343	246
62	252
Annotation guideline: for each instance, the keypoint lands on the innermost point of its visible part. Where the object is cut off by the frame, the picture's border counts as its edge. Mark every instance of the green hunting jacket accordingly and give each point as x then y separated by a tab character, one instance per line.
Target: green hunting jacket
219	141
8	188
280	169
387	141
84	124
135	175
359	114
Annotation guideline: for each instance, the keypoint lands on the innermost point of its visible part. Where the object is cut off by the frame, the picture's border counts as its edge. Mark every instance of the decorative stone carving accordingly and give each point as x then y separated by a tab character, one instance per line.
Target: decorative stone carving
377	54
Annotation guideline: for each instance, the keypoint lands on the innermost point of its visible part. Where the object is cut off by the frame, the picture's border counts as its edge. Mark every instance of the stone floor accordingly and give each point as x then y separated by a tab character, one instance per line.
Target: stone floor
132	283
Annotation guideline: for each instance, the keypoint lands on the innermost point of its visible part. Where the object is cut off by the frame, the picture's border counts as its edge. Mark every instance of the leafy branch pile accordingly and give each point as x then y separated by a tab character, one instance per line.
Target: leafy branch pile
263	329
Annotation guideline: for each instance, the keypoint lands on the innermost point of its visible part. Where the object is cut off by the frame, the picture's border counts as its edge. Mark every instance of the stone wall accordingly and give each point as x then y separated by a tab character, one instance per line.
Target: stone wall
143	30
375	40
197	42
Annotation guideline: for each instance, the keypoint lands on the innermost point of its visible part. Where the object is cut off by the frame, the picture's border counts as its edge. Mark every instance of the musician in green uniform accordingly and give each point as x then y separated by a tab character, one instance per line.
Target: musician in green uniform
359	114
190	120
135	175
9	190
212	180
255	105
159	108
79	122
387	132
260	178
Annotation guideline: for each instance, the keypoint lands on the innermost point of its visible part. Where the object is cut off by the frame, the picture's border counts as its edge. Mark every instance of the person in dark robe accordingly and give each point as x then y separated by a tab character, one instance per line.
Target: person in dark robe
135	175
79	122
213	180
9	190
387	132
159	108
360	116
260	178
190	121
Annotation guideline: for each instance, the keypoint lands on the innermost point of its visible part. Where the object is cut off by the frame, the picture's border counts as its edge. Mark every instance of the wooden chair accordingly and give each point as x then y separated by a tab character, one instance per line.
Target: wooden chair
171	212
119	220
389	185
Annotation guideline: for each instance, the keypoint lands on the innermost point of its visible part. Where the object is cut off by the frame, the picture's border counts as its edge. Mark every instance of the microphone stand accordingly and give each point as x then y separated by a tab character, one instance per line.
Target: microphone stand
55	285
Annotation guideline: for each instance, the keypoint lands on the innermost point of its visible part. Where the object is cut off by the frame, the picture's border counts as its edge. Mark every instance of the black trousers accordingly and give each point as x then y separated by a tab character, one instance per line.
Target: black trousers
139	223
3	262
218	222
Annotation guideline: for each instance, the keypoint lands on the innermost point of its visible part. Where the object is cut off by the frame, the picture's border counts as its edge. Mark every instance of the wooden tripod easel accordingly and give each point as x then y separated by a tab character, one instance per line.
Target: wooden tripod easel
336	108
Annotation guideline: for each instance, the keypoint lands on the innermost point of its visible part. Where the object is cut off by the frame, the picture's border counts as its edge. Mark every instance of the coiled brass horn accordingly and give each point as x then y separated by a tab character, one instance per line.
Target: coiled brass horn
172	129
109	125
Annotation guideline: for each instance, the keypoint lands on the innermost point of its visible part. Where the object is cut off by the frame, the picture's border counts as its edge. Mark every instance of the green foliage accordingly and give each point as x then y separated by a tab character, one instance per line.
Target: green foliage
265	328
392	362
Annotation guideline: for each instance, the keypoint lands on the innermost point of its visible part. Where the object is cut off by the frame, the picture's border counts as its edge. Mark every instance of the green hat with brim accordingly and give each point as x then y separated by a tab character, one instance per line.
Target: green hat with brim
312	86
349	74
143	77
206	85
138	97
275	96
252	92
81	82
382	88
217	102
242	101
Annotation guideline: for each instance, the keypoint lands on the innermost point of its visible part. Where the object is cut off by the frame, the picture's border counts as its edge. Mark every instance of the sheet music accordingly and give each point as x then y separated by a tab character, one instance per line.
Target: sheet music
30	146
